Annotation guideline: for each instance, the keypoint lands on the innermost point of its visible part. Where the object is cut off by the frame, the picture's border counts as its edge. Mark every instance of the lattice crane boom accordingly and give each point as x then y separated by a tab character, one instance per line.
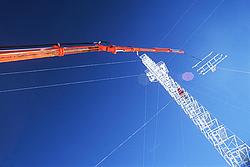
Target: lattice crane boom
231	148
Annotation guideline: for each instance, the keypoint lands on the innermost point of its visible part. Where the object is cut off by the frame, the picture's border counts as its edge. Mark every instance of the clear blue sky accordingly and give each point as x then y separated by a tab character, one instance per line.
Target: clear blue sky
76	126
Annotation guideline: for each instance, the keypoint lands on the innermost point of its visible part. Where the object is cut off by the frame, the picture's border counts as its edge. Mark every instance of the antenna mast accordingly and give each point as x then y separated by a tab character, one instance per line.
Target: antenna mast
231	148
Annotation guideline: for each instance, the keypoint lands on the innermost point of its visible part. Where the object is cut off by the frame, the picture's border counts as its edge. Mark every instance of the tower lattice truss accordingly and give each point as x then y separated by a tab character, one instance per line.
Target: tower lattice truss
231	148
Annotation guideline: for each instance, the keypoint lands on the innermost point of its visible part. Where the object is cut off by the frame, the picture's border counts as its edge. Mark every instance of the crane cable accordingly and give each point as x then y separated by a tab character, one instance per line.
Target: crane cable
199	26
132	135
68	67
177	22
156	125
233	70
68	83
144	131
202	23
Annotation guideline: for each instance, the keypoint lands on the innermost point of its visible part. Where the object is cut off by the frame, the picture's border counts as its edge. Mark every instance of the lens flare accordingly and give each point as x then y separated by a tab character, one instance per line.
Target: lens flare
188	76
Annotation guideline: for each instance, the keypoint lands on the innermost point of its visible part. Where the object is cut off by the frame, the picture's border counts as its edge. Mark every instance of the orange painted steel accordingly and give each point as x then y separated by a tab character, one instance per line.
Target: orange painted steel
57	50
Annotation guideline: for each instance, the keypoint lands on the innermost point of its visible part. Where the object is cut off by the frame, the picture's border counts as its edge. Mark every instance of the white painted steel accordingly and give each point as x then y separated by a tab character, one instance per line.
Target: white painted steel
231	148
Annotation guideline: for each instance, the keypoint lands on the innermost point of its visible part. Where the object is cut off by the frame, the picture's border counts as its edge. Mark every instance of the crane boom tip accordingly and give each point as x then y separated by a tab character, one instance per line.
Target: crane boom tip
178	51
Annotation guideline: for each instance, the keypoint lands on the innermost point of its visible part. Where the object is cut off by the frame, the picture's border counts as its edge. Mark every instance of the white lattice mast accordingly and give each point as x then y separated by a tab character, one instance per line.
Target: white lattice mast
231	148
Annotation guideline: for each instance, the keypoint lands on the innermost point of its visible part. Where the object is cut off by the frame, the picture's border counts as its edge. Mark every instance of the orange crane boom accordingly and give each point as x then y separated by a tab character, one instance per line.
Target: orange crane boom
11	55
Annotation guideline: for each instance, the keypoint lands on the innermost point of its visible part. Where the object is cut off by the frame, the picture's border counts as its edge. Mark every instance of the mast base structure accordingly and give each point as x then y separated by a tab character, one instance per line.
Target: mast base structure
235	152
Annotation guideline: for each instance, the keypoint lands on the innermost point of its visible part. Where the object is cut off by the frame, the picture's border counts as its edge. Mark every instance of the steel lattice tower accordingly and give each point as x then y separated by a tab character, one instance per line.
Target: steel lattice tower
231	148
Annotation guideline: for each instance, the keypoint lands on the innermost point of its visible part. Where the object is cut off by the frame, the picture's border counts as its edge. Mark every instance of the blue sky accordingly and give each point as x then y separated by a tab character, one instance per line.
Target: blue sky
77	125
